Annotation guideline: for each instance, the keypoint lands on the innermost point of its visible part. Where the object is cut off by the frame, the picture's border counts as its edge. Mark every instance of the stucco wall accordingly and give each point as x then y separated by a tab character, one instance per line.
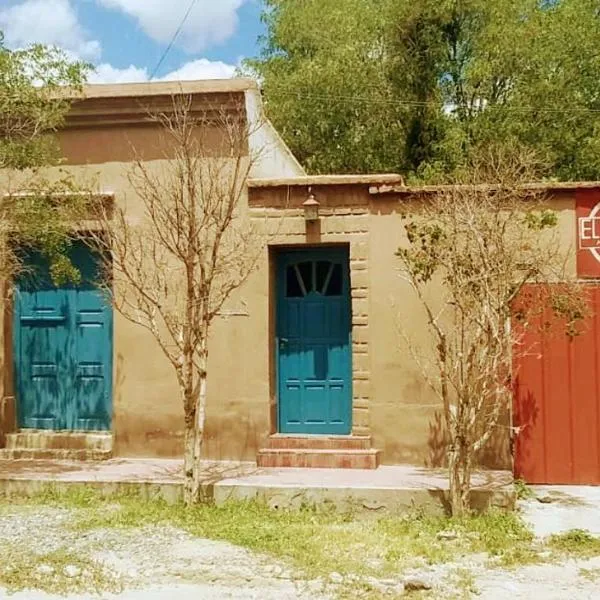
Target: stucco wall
390	399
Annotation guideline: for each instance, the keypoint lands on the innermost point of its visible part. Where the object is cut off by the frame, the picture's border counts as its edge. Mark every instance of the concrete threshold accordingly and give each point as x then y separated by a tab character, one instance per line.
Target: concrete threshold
388	489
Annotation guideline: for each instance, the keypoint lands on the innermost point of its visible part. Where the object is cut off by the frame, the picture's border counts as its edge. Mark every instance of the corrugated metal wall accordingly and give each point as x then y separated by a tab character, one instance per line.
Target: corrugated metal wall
557	403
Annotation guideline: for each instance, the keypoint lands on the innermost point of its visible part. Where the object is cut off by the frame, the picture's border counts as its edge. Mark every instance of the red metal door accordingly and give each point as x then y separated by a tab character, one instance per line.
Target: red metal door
557	403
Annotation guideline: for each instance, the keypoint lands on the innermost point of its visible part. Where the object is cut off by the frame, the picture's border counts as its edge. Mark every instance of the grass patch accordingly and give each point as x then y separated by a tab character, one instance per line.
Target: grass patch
464	582
320	541
316	542
57	572
592	575
523	491
575	543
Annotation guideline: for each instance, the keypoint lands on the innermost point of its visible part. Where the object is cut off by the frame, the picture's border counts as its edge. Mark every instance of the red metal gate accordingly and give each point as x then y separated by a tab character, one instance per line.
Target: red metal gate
557	403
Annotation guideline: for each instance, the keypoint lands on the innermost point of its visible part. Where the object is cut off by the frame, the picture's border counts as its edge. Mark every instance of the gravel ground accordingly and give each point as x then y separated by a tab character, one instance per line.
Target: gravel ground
164	562
155	562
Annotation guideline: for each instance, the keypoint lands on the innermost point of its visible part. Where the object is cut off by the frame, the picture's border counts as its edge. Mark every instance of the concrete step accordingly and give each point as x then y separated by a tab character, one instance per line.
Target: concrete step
34	439
54	454
323	459
280	441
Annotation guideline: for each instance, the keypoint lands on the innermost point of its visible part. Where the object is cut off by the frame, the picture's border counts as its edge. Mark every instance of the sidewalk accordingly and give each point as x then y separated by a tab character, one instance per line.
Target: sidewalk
388	488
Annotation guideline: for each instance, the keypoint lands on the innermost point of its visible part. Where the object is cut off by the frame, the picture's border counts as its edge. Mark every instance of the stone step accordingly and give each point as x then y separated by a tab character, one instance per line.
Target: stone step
54	454
280	441
33	439
323	459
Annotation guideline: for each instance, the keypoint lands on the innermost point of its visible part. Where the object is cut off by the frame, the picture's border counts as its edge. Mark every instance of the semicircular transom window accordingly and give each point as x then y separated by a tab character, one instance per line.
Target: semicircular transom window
322	277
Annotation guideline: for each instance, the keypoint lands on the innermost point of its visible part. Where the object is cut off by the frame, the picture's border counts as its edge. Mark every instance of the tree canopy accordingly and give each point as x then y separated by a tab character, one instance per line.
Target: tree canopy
418	87
33	105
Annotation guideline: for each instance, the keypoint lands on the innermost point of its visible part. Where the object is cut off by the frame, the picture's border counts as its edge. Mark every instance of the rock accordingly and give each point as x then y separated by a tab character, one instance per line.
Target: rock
72	571
545	499
45	570
413	584
336	578
447	535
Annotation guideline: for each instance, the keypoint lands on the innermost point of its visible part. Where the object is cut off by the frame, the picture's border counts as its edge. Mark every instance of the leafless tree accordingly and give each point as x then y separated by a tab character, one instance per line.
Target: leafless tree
471	250
174	260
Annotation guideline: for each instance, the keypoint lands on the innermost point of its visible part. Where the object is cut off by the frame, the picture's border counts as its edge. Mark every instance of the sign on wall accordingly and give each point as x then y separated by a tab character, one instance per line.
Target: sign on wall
588	233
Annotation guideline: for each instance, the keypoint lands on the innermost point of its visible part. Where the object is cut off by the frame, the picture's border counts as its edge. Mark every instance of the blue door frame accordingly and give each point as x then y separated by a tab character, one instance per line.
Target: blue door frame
62	348
313	342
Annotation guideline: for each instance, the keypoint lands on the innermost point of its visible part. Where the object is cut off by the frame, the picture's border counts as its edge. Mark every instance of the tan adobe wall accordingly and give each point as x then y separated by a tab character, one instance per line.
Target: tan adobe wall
390	398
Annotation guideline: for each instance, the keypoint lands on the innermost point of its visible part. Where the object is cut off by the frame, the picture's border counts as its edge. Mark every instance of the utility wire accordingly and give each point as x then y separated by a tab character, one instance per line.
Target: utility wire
173	39
415	103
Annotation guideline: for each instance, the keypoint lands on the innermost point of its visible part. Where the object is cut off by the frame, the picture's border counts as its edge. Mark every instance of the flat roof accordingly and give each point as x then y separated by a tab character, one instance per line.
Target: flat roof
384	178
432	189
163	88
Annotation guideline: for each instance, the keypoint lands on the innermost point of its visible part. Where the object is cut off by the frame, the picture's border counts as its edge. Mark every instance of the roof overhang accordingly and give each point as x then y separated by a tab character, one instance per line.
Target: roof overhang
389	179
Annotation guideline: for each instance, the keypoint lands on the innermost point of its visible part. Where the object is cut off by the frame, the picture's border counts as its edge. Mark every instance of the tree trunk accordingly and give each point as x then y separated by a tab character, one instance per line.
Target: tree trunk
194	437
199	437
459	471
188	461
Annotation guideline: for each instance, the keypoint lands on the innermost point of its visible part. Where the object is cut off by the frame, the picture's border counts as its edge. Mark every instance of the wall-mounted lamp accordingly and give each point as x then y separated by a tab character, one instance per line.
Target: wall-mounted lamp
311	208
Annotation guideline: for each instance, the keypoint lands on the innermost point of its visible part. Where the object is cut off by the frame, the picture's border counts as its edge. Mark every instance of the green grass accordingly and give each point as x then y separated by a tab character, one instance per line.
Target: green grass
523	491
58	572
317	542
576	543
463	582
590	574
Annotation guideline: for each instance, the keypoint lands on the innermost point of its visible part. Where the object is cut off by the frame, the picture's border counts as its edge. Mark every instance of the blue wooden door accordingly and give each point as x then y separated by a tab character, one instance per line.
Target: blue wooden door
313	342
63	348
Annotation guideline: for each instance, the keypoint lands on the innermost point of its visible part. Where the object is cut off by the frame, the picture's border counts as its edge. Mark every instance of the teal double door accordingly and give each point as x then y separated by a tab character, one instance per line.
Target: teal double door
313	340
63	348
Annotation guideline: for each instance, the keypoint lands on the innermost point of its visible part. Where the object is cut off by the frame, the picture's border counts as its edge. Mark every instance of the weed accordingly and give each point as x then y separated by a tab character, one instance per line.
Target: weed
523	491
576	543
57	572
463	581
316	542
590	574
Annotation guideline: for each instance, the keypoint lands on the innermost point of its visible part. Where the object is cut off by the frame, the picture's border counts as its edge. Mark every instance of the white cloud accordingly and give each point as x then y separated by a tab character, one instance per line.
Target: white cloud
106	73
50	22
201	69
210	21
196	69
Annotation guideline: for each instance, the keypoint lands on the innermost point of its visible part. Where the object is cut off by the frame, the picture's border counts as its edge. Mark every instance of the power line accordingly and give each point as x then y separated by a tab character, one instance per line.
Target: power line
173	39
415	103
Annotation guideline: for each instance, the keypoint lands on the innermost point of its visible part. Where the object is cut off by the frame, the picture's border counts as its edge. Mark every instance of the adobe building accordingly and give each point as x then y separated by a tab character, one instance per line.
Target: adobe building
306	365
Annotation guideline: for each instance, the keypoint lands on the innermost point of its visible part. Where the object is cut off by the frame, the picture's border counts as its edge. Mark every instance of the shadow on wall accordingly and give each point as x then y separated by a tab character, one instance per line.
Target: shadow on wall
526	415
8	418
229	435
495	455
233	437
119	382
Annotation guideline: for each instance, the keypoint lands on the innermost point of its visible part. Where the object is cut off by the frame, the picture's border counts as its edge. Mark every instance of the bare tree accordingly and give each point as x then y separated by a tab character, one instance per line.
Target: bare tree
172	264
472	248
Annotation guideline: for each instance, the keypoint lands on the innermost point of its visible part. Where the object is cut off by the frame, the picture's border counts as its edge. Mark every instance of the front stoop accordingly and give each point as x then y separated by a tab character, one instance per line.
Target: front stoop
31	444
325	452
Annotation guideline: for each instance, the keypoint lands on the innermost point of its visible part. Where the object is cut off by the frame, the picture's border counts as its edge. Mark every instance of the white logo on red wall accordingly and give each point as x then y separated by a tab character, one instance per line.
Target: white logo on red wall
589	232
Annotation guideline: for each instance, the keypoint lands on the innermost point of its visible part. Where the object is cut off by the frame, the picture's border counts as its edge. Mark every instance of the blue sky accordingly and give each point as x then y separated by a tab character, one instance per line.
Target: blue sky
125	39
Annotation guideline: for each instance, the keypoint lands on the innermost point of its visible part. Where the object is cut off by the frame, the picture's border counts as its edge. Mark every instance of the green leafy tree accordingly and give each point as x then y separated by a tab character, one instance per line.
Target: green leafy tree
421	87
36	210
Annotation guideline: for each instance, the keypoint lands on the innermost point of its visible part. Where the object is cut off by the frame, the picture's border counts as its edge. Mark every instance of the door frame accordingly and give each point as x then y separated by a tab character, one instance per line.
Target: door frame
277	289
